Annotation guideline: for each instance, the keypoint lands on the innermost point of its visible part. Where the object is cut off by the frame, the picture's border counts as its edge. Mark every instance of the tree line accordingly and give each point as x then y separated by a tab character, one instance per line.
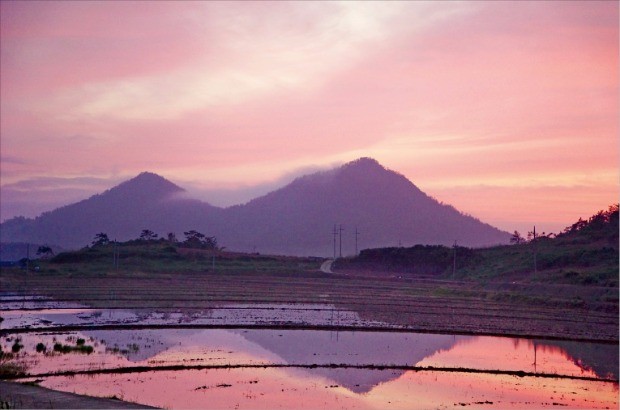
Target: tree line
602	220
193	239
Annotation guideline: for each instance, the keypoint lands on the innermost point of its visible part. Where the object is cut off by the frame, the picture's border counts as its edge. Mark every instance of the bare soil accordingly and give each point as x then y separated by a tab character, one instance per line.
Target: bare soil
566	312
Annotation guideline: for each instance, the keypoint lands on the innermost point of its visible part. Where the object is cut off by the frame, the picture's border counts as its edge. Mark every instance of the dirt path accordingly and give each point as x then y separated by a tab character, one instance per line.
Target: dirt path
326	267
21	396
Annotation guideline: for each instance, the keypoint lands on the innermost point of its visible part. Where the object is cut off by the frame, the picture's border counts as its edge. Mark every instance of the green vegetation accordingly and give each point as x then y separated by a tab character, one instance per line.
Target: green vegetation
585	253
161	256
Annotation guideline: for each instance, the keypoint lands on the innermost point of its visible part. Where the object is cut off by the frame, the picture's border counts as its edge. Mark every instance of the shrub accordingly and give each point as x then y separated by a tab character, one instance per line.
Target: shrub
59	347
16	346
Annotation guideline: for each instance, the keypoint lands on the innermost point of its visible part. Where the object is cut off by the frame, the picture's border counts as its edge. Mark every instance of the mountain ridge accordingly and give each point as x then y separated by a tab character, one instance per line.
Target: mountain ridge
383	206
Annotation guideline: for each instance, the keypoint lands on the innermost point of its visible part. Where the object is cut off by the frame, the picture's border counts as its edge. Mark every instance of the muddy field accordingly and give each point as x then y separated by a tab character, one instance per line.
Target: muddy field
560	311
265	339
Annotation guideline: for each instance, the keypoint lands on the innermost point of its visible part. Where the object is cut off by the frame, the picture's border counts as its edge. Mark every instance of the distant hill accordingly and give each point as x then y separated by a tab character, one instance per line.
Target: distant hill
298	219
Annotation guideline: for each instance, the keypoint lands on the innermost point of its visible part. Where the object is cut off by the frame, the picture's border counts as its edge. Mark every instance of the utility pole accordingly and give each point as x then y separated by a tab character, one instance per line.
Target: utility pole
26	275
454	263
27	257
335	233
341	229
356	235
535	252
114	257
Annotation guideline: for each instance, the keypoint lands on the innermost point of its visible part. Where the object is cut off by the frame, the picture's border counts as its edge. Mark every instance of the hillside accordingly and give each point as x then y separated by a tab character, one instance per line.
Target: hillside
147	201
384	206
297	219
584	253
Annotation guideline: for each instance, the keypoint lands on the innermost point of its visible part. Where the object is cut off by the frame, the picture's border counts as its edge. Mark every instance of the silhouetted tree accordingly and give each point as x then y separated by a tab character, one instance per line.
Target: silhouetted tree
603	224
210	242
195	239
45	251
148	235
516	238
101	239
577	226
172	237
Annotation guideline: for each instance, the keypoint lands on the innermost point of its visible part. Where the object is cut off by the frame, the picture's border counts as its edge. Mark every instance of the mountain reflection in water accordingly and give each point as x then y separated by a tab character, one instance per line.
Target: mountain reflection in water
221	347
602	359
300	347
356	348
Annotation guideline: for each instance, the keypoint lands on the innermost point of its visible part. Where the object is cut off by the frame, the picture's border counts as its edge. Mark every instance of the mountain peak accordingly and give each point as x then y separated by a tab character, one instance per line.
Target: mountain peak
148	184
147	176
364	164
369	172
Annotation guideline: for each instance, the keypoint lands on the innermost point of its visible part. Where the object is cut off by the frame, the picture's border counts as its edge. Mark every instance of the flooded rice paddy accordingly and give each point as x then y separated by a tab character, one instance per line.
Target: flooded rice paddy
185	359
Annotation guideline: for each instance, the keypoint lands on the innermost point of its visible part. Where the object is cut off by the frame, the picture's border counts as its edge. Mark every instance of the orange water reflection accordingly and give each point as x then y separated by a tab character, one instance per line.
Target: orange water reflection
156	347
435	389
497	353
303	389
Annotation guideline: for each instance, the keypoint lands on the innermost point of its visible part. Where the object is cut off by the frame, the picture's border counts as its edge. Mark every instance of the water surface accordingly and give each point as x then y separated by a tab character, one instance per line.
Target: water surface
284	368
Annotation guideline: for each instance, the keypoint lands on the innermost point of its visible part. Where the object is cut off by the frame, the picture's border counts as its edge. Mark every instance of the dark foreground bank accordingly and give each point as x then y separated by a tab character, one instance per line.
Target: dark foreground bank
21	396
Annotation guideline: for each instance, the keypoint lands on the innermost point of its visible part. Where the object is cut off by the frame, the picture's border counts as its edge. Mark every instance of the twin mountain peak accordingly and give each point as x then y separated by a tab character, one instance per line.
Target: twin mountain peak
384	207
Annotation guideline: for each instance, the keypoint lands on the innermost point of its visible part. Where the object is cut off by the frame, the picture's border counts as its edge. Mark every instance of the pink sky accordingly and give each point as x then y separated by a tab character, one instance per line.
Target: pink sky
506	110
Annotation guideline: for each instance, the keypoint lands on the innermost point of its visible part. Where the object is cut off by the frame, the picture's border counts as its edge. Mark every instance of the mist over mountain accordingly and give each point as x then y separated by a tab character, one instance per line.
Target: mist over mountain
298	219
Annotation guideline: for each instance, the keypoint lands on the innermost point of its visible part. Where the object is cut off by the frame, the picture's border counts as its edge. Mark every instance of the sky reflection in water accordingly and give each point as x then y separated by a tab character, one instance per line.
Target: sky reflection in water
308	387
323	387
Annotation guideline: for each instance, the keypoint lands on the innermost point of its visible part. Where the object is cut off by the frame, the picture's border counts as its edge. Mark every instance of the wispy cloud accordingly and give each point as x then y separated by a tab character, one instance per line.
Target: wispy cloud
54	183
264	50
228	193
7	159
31	197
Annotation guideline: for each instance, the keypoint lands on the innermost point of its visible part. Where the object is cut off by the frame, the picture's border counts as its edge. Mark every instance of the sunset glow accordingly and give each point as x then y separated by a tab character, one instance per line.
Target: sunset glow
506	110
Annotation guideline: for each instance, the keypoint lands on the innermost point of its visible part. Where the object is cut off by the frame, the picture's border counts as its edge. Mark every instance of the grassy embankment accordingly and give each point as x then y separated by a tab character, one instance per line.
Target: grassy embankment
151	257
586	253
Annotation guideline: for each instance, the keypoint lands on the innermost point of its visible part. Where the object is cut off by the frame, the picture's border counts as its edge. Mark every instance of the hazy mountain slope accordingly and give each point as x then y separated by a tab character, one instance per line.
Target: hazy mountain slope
385	207
297	219
147	201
